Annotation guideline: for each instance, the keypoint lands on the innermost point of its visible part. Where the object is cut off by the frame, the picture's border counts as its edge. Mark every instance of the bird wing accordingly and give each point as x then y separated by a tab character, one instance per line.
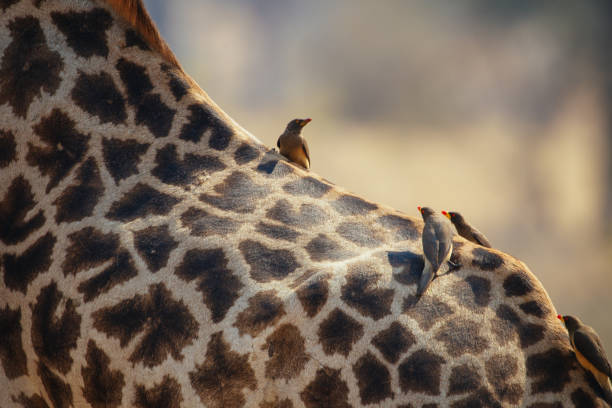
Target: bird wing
480	238
589	345
444	234
305	148
430	246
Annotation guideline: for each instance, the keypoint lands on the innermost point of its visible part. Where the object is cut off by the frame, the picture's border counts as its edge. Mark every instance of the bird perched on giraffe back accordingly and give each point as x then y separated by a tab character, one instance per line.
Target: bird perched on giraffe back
437	246
292	144
589	352
466	230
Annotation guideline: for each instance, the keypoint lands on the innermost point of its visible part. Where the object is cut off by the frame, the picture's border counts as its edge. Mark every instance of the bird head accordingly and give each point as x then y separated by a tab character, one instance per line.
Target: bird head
425	212
297	124
570	322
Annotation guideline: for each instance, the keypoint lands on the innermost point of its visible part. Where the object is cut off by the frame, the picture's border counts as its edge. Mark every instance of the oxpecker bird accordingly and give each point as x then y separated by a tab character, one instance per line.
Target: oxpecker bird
292	144
466	230
589	351
437	246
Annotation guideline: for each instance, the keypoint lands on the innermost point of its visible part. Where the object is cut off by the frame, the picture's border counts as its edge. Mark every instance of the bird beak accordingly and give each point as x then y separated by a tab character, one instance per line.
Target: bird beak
561	318
419	208
447	215
305	122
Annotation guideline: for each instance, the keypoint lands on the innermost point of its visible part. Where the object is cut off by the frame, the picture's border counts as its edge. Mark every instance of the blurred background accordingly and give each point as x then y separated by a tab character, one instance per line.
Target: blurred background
501	110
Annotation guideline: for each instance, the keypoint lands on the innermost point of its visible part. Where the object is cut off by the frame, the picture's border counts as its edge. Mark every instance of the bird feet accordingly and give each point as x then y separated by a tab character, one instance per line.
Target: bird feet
453	266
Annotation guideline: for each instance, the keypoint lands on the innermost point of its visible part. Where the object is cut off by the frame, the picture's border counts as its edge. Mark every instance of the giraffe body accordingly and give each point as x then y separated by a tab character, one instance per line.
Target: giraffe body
154	254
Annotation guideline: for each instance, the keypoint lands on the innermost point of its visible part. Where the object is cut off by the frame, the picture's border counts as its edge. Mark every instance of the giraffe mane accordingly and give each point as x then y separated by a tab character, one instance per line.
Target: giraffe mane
135	13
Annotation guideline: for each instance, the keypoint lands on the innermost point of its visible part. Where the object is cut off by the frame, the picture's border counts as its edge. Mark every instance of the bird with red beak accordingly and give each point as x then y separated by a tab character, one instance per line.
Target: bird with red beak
292	144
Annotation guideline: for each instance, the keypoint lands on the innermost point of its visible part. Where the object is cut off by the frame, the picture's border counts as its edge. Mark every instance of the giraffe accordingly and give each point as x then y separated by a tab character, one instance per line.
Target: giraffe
155	254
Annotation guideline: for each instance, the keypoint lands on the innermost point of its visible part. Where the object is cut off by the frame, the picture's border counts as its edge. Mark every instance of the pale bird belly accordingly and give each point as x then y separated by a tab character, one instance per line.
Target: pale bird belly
297	155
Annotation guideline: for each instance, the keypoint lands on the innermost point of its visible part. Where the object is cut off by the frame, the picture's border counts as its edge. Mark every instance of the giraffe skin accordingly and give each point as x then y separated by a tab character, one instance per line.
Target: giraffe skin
155	254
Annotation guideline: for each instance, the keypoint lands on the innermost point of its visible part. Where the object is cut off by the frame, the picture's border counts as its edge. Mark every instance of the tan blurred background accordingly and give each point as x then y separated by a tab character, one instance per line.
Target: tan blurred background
501	110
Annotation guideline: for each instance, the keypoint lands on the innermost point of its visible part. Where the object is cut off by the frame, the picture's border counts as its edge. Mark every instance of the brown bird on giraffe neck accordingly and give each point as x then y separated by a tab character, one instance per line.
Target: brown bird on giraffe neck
589	352
466	230
292	144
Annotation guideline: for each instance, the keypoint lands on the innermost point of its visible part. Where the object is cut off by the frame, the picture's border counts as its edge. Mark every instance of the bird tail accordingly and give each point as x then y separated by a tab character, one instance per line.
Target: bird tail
426	278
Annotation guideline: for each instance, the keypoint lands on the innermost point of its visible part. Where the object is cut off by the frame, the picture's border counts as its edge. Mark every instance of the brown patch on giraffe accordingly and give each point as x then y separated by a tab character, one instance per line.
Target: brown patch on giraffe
518	284
8	148
155	115
171	170
582	400
220	379
154	245
89	248
464	378
286	352
163	325
411	265
373	379
140	201
78	200
431	405
103	387
166	394
64	147
120	270
427	310
338	332
85	31
56	326
220	287
121	157
546	405
133	39
98	95
351	205
405	228
202	118
12	355
4	4
20	270
265	309
508	324
313	295
360	234
500	370
203	224
267	264
277	232
275	168
473	292
309	215
549	370
462	336
486	260
307	186
135	79
277	403
237	193
322	248
393	341
327	389
176	81
535	308
35	401
246	153
420	372
363	293
57	390
17	203
27	71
